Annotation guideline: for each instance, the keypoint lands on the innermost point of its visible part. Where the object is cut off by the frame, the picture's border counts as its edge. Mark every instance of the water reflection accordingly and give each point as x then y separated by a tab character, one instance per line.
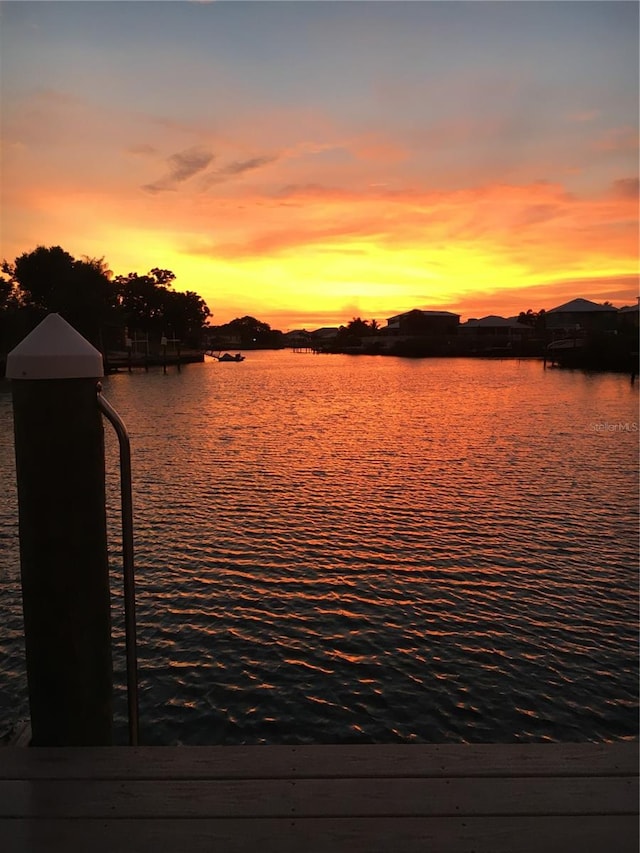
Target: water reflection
334	549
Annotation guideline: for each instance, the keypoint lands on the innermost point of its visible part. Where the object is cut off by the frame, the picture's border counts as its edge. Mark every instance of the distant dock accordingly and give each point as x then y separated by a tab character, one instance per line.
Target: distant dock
119	361
310	348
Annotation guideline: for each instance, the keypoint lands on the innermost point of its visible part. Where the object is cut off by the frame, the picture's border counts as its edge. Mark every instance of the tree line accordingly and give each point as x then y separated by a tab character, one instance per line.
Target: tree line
104	308
245	332
250	333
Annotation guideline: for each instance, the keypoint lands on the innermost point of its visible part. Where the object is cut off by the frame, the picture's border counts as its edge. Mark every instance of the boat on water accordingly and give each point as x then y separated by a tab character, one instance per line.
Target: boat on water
566	344
228	357
613	352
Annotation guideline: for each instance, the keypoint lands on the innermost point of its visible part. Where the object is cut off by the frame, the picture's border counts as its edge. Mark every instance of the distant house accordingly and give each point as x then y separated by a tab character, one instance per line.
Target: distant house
494	326
580	316
494	333
219	340
503	329
297	338
629	317
325	334
418	323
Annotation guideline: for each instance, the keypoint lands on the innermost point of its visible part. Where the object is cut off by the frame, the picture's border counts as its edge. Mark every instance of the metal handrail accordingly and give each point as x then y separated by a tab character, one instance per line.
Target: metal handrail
127	563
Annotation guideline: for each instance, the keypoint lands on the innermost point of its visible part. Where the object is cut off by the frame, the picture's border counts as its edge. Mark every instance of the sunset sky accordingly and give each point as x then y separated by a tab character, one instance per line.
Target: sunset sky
307	162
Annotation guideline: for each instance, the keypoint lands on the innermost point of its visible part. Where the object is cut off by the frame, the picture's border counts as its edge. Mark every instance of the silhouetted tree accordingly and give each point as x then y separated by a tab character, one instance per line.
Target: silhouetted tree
357	327
535	319
165	278
14	320
184	315
249	332
150	305
528	318
52	280
141	299
85	293
6	291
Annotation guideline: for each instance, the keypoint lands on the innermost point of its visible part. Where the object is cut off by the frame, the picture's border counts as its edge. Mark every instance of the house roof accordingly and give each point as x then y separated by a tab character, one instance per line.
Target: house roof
627	309
423	313
580	306
494	320
326	331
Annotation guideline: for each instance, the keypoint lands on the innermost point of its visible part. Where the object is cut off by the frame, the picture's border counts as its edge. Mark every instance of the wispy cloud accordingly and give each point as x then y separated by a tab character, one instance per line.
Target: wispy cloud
45	94
238	167
626	188
584	116
141	149
182	166
617	139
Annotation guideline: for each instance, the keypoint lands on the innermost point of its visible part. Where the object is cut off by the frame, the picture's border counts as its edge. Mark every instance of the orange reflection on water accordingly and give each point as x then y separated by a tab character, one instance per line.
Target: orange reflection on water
305	664
394	530
341	655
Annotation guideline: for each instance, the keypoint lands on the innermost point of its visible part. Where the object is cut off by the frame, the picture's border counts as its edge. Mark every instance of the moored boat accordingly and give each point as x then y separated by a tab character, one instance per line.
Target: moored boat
228	357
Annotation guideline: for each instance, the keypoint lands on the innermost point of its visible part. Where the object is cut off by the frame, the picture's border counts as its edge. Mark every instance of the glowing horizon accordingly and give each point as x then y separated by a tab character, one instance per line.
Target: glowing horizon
307	163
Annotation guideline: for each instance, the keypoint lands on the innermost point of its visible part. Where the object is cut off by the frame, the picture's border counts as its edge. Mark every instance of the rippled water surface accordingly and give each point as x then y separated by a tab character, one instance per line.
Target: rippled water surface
335	548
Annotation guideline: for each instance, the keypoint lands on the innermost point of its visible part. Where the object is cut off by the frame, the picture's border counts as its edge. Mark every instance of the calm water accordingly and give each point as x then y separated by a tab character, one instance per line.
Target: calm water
335	549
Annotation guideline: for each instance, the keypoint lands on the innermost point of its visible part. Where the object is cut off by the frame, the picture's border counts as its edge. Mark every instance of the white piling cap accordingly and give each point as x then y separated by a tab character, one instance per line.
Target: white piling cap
54	350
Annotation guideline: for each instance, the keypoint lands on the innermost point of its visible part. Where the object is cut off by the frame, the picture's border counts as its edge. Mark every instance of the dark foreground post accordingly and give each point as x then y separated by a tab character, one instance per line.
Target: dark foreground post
59	444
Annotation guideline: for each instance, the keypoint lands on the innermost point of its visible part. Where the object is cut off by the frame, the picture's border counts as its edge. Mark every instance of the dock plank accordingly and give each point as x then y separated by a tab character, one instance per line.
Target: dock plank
317	798
315	762
511	798
595	834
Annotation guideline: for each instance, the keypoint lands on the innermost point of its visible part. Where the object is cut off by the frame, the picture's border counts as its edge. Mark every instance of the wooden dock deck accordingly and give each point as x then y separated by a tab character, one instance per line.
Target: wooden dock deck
571	798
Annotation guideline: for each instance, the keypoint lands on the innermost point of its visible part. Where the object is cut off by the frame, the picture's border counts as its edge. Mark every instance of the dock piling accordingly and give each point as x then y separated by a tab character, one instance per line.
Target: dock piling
60	466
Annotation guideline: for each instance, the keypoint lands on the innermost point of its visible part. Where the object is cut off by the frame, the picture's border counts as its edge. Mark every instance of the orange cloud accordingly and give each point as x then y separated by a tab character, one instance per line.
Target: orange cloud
618	139
620	290
324	219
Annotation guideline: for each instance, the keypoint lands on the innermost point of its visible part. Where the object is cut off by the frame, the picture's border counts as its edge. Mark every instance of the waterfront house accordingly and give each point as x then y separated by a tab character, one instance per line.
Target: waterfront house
219	341
324	339
419	323
580	316
297	338
421	333
593	336
494	333
629	318
324	335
